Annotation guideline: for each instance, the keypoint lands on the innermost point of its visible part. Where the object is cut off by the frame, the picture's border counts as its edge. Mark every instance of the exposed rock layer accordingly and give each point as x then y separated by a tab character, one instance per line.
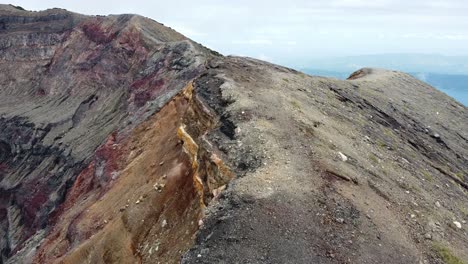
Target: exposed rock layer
67	83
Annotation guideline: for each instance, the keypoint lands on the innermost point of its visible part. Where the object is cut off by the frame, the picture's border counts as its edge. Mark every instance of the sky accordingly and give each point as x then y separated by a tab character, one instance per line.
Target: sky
296	31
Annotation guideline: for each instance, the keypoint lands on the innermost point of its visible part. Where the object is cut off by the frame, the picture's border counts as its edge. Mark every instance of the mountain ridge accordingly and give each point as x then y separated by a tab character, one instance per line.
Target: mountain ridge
452	84
125	141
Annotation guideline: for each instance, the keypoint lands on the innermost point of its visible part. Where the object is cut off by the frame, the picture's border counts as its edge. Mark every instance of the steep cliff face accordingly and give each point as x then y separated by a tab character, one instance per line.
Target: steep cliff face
67	83
120	140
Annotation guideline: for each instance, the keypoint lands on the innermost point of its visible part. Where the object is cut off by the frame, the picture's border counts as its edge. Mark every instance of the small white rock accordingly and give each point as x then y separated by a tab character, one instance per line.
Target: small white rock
428	236
340	220
343	156
437	204
164	223
457	224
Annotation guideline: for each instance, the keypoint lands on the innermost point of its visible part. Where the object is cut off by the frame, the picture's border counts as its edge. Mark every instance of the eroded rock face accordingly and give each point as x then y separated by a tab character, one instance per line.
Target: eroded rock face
67	83
120	140
142	196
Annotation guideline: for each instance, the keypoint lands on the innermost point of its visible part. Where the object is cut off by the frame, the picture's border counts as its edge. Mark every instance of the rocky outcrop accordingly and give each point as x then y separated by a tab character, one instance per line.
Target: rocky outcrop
121	138
67	83
143	194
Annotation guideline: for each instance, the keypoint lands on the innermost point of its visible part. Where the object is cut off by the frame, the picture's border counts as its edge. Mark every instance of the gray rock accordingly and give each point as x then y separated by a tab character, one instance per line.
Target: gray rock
428	236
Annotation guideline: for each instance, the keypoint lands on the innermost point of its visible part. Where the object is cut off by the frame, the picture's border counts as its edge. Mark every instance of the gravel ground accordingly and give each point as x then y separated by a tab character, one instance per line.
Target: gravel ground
335	171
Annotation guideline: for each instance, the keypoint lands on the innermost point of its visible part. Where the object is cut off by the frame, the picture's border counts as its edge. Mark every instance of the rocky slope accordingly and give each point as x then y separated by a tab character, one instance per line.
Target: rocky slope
122	141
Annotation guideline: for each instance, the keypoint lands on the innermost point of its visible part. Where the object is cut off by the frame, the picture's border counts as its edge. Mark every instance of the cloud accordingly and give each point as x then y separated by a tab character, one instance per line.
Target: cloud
434	36
361	3
187	31
421	76
261	42
454	36
264	58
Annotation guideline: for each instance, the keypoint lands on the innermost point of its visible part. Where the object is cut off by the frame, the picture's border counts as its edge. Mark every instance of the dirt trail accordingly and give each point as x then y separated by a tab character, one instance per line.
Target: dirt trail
337	180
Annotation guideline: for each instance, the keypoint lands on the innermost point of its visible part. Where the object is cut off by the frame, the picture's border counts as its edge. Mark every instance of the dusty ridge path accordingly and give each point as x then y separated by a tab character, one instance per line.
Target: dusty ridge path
370	170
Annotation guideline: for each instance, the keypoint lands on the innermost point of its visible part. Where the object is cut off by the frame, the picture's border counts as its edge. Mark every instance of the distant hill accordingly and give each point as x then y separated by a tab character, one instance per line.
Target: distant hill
403	62
454	85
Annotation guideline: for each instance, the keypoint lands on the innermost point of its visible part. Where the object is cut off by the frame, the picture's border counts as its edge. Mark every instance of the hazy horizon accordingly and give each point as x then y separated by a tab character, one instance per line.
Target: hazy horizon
289	32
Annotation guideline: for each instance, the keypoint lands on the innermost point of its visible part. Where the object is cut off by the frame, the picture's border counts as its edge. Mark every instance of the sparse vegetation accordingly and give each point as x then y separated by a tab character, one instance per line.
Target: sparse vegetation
296	105
464	210
18	7
384	171
460	175
286	80
446	255
428	176
389	132
307	130
373	158
408	187
381	144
